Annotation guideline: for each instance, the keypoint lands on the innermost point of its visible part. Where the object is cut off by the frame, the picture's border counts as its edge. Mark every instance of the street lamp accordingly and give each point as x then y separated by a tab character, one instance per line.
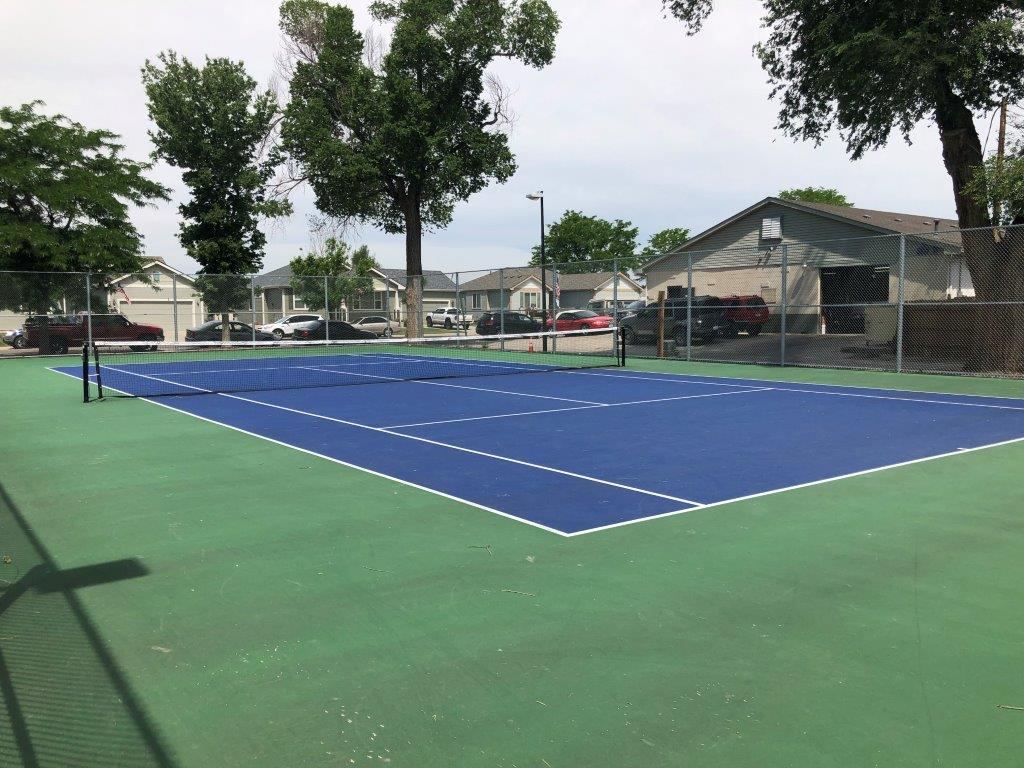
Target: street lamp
543	269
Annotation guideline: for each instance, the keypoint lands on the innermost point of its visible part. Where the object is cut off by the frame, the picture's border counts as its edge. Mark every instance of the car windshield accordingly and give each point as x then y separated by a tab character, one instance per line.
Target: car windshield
586	313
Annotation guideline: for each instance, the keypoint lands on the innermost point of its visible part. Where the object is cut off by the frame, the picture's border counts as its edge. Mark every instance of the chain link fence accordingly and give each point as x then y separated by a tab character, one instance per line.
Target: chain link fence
936	302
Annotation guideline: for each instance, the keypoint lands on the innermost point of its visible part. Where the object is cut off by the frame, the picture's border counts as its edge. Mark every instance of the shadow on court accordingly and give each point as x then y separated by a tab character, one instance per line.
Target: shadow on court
63	699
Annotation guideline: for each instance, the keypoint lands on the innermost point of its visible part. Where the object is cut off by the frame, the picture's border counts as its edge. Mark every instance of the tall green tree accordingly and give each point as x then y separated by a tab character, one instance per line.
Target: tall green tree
663	242
395	136
878	67
336	273
214	124
580	243
825	195
66	193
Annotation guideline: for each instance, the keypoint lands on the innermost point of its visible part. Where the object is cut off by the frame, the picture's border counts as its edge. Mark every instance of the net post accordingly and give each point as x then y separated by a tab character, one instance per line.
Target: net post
99	378
901	299
689	307
501	306
615	294
555	304
784	305
174	303
327	311
88	309
252	306
85	373
622	350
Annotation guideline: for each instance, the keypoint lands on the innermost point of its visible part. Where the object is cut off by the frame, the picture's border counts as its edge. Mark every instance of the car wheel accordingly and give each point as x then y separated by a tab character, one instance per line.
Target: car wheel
148	347
430	322
629	335
277	333
753	330
388	333
448	323
20	342
731	331
679	335
58	345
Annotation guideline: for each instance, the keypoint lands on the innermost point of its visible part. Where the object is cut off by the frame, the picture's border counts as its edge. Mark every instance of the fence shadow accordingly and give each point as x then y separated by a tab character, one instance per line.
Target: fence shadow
64	700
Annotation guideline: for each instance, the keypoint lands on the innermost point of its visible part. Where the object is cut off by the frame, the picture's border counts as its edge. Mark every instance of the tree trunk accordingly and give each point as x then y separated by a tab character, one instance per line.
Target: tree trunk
225	328
413	269
995	259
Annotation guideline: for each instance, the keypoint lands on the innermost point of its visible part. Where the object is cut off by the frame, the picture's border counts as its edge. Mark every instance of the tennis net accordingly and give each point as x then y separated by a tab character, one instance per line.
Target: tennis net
145	369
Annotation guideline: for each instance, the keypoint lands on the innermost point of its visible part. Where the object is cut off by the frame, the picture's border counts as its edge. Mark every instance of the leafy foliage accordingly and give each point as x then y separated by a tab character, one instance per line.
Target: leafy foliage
825	195
213	124
580	243
342	274
664	241
65	195
397	137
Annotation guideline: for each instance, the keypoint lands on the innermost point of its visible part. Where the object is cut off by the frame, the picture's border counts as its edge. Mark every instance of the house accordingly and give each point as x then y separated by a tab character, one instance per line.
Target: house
837	257
522	287
158	295
277	297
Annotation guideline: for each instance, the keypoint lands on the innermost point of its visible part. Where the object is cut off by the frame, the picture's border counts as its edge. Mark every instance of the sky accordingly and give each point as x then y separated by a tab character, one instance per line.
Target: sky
633	120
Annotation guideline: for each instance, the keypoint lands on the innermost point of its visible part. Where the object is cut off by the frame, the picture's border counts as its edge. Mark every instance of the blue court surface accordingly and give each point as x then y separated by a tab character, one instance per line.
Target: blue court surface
577	451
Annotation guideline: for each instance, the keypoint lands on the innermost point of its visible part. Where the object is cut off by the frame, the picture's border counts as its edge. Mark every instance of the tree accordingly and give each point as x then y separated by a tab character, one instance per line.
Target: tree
212	123
579	243
397	137
825	195
881	66
65	197
663	242
336	271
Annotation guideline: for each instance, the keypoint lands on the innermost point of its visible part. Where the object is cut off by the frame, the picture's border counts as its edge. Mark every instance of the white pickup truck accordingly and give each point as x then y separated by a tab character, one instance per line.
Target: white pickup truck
448	317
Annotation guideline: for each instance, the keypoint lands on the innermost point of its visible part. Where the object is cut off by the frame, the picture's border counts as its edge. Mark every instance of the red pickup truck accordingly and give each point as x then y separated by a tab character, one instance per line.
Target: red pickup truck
64	331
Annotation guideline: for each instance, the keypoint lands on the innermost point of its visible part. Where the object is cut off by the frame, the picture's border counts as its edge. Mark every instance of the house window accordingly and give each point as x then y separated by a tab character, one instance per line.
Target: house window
476	301
156	277
298	303
771	228
529	299
379	299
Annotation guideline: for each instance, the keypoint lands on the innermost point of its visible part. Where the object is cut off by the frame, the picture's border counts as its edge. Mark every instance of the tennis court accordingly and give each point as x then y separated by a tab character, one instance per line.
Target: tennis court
579	443
398	556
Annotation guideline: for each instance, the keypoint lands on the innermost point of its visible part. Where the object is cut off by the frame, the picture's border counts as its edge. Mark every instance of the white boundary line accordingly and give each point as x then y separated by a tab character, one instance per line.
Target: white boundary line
579	408
818	391
775	491
419	439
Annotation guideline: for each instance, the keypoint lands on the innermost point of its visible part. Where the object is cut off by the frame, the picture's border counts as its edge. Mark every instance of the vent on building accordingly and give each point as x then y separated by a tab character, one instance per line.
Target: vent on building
771	228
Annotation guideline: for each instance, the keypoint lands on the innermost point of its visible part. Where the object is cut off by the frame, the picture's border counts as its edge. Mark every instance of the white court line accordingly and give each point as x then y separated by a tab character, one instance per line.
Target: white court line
204	371
578	408
820	392
454	386
358	467
419	439
775	491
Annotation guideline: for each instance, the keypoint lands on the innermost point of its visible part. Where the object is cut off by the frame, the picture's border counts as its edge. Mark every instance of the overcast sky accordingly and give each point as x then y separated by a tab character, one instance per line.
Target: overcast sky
633	120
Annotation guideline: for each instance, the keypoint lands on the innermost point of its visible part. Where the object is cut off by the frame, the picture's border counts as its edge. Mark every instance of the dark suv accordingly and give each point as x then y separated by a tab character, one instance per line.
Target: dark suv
745	313
706	313
515	322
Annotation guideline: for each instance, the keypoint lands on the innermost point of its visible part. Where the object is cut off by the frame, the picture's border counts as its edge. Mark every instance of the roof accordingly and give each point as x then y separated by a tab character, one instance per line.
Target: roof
433	280
876	222
150	261
567	281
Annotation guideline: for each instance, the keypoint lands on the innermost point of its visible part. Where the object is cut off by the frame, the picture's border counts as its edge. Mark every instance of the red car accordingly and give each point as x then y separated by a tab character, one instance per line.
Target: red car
744	313
64	331
580	319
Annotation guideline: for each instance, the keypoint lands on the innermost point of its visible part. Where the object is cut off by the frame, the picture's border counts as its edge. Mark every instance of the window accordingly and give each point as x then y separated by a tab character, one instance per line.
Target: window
476	301
298	303
529	299
771	228
156	276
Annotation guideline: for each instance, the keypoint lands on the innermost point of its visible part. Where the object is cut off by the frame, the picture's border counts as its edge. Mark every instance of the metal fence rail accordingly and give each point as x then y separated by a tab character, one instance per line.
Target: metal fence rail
935	302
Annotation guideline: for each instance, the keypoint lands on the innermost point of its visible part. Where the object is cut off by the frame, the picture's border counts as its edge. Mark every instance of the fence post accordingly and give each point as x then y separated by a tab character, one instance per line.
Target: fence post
88	309
387	304
901	299
615	299
784	305
555	305
174	303
501	306
458	307
327	311
689	307
252	306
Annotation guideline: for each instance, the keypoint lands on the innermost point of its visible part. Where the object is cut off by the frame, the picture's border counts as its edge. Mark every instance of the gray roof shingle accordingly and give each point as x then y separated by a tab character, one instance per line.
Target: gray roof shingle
433	280
581	281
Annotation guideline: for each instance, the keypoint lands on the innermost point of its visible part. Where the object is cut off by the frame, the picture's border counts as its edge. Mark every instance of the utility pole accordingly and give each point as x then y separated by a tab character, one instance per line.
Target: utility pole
997	208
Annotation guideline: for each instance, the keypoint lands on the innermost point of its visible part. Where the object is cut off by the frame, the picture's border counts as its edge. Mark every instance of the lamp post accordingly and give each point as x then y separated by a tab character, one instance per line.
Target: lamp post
543	270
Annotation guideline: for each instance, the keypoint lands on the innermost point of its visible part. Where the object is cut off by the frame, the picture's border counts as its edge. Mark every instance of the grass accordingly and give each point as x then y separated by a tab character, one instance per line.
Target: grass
296	612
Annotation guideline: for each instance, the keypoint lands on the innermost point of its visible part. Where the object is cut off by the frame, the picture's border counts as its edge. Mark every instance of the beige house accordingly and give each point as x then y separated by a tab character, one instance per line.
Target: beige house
158	295
520	289
839	259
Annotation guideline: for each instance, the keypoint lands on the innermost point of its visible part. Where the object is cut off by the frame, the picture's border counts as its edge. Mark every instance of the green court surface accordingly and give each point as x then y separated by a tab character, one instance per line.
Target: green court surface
180	594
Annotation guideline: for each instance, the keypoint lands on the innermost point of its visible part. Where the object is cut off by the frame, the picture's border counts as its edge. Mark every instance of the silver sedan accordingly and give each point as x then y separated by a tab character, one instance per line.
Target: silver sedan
376	324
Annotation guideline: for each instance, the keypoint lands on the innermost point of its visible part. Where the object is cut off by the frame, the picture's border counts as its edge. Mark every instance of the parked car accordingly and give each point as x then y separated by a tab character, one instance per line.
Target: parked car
64	331
212	330
634	306
335	330
16	338
745	313
515	322
706	312
448	317
285	326
376	324
579	319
